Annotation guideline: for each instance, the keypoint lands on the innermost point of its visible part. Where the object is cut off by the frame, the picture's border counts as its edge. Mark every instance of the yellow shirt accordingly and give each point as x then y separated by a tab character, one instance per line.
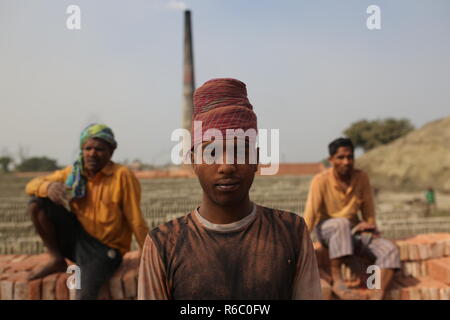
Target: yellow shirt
110	211
327	199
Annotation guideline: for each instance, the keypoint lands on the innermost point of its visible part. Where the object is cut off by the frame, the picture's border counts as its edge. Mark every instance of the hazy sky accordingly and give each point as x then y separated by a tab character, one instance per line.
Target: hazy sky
311	68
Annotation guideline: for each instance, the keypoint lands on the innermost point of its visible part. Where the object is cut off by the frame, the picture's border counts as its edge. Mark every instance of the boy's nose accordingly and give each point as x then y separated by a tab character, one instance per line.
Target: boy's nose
226	168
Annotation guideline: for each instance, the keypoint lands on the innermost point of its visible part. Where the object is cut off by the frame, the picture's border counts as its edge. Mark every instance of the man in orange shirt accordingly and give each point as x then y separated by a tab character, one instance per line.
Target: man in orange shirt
334	200
87	212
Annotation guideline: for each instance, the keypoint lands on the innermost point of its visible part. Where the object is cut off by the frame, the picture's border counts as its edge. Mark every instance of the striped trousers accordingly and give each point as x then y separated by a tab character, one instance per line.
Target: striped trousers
336	235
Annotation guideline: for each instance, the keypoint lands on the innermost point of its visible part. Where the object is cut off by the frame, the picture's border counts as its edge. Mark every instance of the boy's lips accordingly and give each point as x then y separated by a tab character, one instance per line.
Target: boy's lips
227	185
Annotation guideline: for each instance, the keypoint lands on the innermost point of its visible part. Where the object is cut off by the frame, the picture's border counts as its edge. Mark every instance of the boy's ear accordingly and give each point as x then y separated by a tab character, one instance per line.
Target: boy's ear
193	164
194	167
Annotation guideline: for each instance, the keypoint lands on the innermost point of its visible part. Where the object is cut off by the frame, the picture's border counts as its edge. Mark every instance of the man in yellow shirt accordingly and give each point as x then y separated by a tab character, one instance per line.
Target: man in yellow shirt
334	200
88	212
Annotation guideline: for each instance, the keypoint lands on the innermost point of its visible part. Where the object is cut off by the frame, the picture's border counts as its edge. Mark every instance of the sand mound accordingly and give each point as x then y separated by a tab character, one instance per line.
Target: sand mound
416	161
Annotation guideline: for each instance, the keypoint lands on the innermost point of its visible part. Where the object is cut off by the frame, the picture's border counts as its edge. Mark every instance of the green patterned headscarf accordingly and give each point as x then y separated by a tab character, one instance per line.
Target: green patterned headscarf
76	181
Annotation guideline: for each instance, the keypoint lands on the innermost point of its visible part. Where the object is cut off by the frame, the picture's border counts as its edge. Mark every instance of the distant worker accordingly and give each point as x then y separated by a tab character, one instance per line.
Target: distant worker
93	225
228	247
430	198
334	200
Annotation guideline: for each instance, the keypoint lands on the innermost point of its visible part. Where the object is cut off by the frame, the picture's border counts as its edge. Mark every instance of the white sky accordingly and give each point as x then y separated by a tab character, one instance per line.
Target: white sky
311	68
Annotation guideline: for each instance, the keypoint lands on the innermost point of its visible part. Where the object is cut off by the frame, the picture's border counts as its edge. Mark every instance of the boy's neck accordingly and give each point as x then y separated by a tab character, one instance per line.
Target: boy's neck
218	214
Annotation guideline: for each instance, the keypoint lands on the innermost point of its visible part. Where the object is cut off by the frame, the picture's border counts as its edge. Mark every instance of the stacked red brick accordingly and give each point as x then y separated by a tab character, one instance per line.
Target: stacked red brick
14	286
425	268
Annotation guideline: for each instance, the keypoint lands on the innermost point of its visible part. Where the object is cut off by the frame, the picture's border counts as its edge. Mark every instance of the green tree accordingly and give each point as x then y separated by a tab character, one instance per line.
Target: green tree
37	164
370	134
5	161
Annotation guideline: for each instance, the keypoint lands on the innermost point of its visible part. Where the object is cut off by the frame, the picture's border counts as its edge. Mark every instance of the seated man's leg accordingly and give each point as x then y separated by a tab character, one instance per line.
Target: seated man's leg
65	237
98	263
336	235
388	259
38	209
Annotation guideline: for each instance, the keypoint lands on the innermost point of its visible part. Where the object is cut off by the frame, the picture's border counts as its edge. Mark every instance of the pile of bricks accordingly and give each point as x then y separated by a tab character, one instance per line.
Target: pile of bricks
424	275
425	268
416	252
14	286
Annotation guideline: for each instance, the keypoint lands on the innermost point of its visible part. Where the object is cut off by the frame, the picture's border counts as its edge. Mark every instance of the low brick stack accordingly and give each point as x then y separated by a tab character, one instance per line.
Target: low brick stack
416	252
14	286
425	268
424	275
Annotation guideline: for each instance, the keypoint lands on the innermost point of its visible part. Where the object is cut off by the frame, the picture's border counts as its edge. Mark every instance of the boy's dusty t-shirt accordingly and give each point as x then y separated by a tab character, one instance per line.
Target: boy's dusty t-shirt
266	255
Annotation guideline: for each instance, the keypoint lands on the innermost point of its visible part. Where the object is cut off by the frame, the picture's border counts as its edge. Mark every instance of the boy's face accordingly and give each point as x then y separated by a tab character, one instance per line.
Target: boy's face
227	183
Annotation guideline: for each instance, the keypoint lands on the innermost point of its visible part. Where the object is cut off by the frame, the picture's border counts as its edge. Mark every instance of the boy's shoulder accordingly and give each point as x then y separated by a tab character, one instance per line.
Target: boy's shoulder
287	218
169	231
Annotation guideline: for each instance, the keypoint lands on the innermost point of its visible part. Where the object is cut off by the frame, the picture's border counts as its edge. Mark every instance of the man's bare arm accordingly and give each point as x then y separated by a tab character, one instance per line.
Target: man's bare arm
39	186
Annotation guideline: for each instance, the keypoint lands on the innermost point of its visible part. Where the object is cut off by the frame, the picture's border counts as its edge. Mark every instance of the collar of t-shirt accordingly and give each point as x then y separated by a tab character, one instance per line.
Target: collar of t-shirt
229	226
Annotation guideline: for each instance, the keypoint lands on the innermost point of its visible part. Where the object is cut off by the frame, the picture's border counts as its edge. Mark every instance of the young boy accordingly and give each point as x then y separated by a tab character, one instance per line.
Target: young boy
228	247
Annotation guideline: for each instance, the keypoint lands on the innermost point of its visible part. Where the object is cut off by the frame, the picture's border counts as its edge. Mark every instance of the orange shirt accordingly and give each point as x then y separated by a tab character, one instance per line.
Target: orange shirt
327	199
110	211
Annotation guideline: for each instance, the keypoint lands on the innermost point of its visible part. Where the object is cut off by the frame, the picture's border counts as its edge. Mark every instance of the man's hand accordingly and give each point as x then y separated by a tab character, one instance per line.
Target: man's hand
57	193
362	226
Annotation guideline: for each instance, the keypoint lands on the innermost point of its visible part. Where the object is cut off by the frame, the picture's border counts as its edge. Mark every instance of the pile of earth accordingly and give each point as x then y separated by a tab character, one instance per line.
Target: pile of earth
419	160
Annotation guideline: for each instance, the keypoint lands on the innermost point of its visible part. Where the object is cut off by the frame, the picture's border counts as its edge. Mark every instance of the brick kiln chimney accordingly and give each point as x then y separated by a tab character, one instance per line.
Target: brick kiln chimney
188	73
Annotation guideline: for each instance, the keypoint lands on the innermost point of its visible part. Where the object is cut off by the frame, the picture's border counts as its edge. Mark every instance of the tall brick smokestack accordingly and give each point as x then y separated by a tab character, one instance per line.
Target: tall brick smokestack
188	73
